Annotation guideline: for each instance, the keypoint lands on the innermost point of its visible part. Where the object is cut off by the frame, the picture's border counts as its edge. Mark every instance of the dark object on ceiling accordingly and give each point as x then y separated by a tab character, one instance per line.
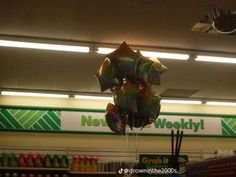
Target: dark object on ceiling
219	21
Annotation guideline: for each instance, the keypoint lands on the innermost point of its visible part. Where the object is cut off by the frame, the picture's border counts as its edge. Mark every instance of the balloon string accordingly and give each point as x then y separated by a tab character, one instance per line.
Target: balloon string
136	146
136	154
134	136
127	143
133	133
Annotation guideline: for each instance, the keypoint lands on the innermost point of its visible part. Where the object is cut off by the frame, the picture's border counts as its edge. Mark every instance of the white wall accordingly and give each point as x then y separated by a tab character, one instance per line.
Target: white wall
75	103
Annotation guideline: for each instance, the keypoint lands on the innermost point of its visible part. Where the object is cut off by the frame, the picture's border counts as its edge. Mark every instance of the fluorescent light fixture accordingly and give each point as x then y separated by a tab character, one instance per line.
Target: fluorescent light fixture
31	45
175	56
10	93
170	101
94	97
103	50
221	103
215	59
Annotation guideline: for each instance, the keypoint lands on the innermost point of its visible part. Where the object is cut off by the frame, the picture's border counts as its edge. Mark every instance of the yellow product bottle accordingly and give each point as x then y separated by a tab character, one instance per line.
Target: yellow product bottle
75	163
94	164
87	164
81	164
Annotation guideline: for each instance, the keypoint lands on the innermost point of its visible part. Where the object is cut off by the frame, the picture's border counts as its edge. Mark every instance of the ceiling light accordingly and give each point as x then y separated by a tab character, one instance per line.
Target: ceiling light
10	93
94	97
31	45
169	101
103	50
221	103
215	59
175	56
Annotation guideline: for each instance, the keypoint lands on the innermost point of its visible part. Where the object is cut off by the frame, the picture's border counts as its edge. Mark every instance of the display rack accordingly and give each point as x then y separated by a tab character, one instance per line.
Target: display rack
218	167
131	157
34	169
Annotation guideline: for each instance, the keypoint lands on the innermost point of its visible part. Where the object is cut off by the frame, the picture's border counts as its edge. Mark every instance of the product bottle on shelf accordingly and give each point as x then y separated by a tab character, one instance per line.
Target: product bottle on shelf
56	161
109	166
112	166
21	160
64	161
87	163
5	159
47	161
13	160
38	160
94	164
81	163
97	163
30	160
75	163
104	166
101	166
117	165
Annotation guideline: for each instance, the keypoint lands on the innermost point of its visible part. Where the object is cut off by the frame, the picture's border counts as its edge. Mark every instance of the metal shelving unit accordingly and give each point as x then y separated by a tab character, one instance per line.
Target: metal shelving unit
92	173
105	155
34	169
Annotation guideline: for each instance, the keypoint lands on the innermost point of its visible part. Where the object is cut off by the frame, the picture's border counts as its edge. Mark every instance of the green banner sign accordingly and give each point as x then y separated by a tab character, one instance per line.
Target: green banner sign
26	119
93	121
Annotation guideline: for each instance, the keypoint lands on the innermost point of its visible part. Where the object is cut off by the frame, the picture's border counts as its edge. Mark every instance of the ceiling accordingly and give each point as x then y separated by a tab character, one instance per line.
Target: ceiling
146	23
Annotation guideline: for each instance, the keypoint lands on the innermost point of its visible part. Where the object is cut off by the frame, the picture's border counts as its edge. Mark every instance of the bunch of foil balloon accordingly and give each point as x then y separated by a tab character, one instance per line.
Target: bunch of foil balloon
130	77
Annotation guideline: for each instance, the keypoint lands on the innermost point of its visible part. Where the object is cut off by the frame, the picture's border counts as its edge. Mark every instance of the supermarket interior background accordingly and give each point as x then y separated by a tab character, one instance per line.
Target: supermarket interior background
205	89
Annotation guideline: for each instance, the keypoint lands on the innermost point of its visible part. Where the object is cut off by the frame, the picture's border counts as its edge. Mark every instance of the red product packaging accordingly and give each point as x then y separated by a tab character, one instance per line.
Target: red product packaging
38	159
22	160
30	161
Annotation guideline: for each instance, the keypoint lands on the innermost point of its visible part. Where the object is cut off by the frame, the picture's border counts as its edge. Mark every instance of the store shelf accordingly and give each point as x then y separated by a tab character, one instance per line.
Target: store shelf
34	169
92	173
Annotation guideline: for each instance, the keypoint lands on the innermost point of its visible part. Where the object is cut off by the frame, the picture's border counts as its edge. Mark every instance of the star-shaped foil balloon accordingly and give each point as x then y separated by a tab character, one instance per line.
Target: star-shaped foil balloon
130	76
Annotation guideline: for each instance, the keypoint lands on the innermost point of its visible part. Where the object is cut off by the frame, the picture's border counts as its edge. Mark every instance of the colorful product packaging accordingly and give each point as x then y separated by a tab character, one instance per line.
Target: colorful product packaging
81	163
75	163
30	160
48	161
13	160
5	158
56	161
64	161
22	160
38	160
